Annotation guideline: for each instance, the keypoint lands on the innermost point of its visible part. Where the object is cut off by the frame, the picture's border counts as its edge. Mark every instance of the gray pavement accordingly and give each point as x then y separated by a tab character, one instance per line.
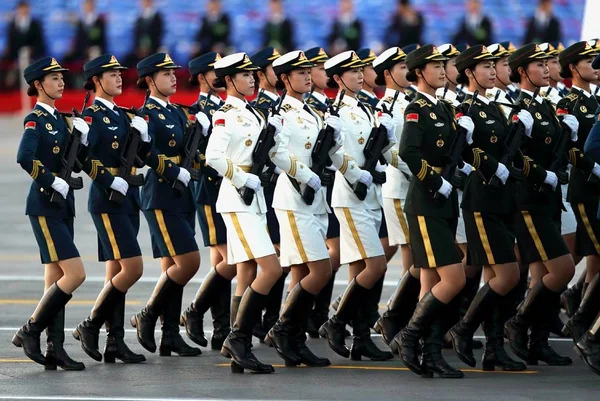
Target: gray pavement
208	376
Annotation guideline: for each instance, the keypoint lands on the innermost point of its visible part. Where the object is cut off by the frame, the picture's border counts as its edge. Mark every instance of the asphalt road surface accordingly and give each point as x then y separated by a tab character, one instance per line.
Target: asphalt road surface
208	376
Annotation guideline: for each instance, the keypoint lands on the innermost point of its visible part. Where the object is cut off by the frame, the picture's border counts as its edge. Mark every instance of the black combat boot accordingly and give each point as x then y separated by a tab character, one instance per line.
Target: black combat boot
171	340
237	345
28	336
145	321
589	347
571	298
320	313
400	309
581	320
273	306
462	332
220	311
532	309
88	331
306	355
494	354
55	351
115	340
362	344
407	341
433	361
335	328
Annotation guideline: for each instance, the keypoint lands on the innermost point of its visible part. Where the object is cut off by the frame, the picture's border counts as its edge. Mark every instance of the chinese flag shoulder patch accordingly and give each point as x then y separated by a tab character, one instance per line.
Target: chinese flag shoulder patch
30	125
88	120
192	117
562	112
412	118
220	122
515	118
146	118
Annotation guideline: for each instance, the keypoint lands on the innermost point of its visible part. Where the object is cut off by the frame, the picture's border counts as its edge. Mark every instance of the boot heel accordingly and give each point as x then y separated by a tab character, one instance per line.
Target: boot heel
181	321
290	363
17	341
488	366
76	334
133	321
235	368
109	358
164	351
50	363
377	327
355	356
533	362
225	353
425	372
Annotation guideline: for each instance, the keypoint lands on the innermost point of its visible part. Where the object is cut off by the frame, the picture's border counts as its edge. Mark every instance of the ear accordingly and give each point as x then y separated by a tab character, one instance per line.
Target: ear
573	69
337	79
149	81
387	74
96	80
38	84
469	73
418	73
260	74
284	78
521	71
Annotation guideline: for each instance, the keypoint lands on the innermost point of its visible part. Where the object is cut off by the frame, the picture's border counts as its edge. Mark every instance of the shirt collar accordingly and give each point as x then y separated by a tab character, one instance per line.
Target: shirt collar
320	97
159	101
392	92
234	101
539	99
433	99
273	96
213	98
105	102
293	102
479	96
46	107
586	93
351	101
371	95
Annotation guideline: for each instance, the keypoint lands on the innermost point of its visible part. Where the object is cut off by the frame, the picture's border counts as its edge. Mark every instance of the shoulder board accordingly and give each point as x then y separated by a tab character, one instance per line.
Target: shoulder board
263	99
572	97
203	102
317	112
39	113
95	107
388	99
422	102
226	108
526	101
151	106
343	105
468	101
489	95
288	107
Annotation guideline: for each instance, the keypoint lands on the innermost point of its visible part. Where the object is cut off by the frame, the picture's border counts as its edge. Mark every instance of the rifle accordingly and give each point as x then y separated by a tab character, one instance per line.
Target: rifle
377	141
512	145
320	153
69	159
260	154
558	165
454	156
129	158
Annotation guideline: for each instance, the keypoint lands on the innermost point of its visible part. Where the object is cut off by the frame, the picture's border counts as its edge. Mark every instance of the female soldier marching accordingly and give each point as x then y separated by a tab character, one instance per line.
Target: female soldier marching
117	222
40	154
168	206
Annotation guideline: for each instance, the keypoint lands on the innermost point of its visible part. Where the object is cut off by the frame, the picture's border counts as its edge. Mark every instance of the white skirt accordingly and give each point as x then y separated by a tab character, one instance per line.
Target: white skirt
303	237
396	221
247	236
359	233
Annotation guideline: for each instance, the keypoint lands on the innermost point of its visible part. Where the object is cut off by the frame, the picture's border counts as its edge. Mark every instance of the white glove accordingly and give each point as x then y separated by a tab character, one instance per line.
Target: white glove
277	170
551	179
502	173
527	120
277	122
204	122
445	189
314	182
466	169
253	182
596	170
380	168
120	185
467	124
142	126
365	177
184	176
82	127
571	122
387	121
60	186
335	123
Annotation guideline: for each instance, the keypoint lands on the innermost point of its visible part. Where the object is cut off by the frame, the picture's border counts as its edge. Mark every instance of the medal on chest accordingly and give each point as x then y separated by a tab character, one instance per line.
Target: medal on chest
115	144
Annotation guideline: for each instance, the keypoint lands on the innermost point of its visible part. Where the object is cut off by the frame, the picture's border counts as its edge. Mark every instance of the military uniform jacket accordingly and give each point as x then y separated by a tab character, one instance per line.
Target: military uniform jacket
318	102
368	99
265	100
166	126
503	97
357	124
236	128
489	138
107	138
40	152
554	95
209	183
579	189
301	128
538	154
427	136
397	173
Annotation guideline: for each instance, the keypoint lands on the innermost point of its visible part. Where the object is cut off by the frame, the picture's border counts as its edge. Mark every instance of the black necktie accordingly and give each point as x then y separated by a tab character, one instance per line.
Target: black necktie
254	113
56	114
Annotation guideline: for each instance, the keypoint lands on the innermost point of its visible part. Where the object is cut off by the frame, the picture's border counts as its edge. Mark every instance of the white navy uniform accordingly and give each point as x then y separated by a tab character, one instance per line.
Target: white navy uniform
359	220
398	175
303	227
503	97
236	128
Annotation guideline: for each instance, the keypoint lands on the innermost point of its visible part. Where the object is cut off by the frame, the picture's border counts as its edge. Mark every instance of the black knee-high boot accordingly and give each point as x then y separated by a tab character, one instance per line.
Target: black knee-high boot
320	313
115	340
237	345
583	318
55	351
433	361
273	306
571	298
171	340
589	346
220	311
28	336
88	331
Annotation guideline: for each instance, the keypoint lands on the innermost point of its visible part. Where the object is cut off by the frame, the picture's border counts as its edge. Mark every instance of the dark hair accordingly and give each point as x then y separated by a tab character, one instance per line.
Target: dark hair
141	83
32	90
411	75
515	76
193	79
89	85
462	78
279	84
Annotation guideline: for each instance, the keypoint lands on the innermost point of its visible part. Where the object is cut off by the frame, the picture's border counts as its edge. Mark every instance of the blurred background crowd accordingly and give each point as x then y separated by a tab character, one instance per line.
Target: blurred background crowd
75	30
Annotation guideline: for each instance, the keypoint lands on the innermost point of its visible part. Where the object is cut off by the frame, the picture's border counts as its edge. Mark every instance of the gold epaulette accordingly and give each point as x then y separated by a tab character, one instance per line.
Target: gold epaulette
95	107
572	96
287	107
39	113
226	108
151	106
422	103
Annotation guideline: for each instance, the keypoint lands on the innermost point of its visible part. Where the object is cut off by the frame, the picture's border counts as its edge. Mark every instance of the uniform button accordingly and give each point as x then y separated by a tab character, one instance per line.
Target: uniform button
169	165
41	189
160	180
